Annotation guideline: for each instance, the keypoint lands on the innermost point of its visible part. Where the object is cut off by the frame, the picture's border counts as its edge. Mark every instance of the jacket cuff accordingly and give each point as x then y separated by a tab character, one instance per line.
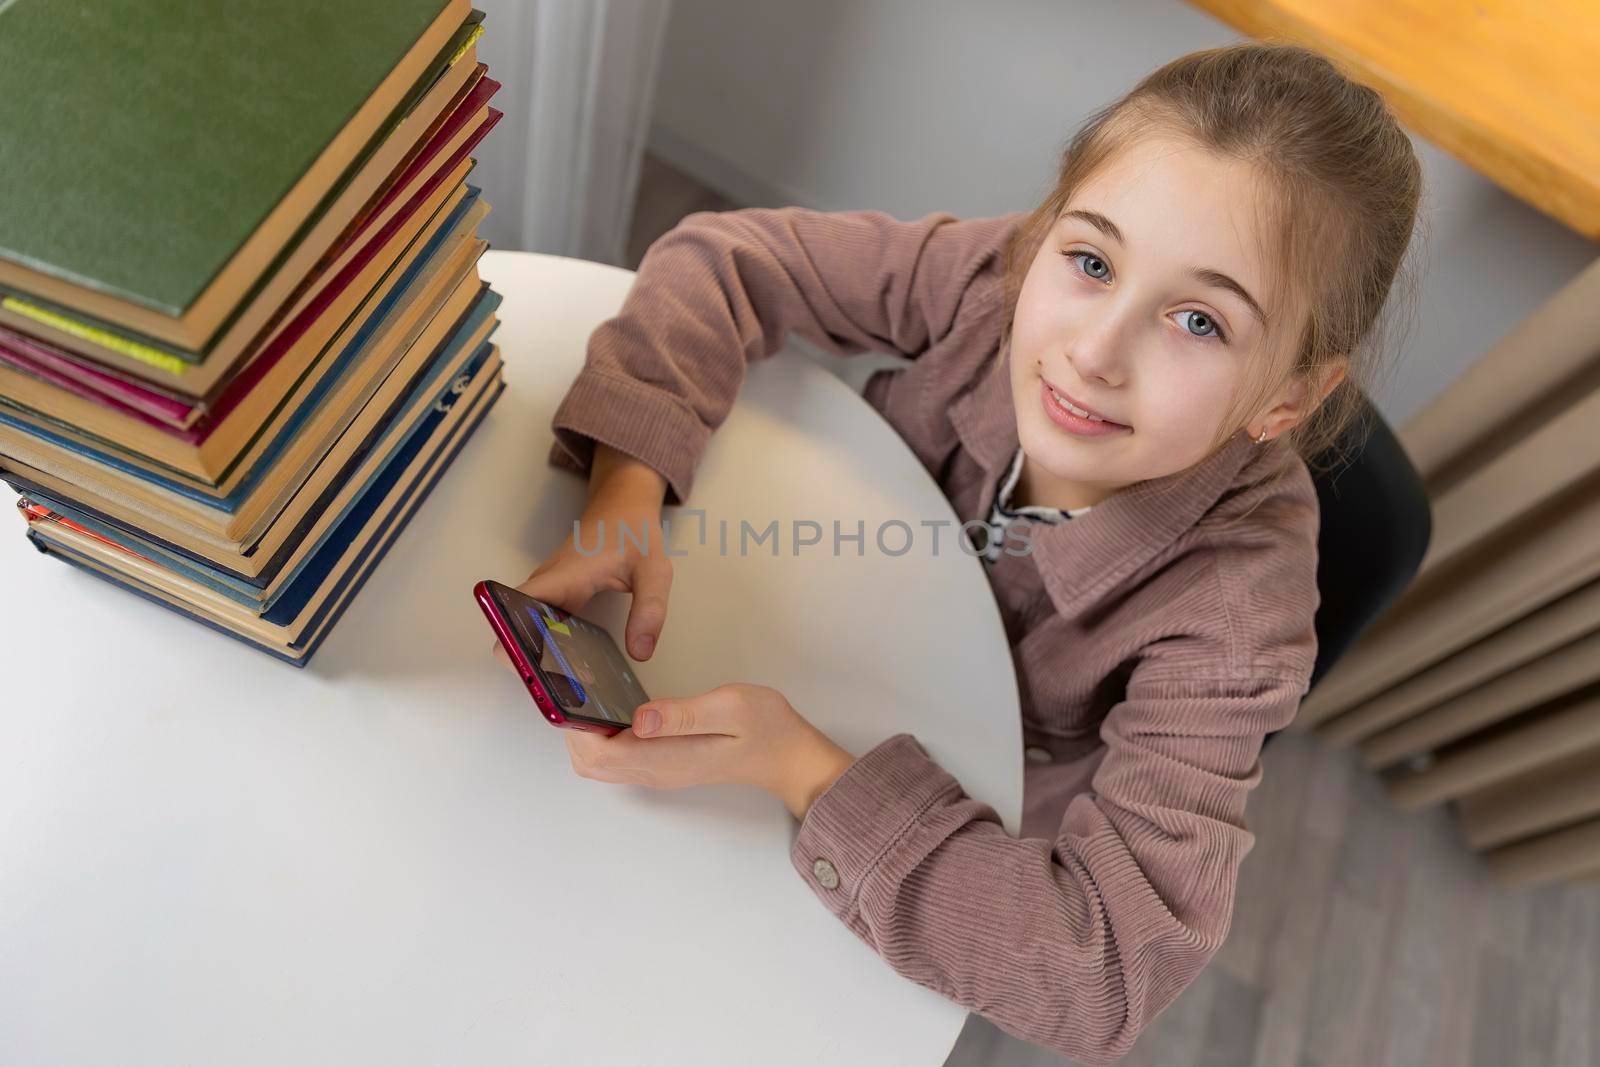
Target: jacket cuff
652	426
858	819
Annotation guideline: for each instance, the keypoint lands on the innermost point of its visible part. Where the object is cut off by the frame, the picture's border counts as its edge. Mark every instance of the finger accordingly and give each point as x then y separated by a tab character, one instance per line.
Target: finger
602	758
647	613
568	588
502	655
716	712
587	743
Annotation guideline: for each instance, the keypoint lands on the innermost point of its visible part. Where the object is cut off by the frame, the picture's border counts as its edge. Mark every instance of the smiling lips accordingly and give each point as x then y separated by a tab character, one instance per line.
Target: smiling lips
1074	419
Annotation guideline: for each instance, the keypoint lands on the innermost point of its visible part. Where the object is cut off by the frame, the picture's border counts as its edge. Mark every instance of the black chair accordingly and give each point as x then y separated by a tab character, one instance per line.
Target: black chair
1376	523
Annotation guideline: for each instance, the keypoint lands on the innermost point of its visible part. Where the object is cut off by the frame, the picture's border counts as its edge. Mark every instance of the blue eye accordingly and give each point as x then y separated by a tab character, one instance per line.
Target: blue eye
1092	266
1202	325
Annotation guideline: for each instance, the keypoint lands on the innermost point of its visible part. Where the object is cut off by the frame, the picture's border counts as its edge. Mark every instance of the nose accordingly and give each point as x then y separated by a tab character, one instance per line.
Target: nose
1096	352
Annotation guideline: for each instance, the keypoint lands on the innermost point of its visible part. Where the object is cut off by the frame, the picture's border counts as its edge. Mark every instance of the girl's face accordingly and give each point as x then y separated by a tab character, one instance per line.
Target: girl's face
1148	304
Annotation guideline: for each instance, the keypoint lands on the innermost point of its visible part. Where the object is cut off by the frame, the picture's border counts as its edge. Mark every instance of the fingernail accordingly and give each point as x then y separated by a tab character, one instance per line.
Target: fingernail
648	722
644	644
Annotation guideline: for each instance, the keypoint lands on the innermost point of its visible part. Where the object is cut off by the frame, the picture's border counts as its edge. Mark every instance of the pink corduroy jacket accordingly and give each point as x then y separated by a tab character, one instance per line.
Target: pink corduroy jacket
1157	637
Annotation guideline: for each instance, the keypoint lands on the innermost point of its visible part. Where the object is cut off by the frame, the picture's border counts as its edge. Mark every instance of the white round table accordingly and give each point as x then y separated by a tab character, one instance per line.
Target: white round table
208	856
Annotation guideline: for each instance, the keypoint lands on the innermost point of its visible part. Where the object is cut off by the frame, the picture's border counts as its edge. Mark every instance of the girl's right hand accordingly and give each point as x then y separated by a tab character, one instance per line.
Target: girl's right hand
623	494
569	579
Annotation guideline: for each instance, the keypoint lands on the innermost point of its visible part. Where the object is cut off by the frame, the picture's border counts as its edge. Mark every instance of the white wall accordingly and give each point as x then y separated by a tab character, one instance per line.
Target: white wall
578	80
913	106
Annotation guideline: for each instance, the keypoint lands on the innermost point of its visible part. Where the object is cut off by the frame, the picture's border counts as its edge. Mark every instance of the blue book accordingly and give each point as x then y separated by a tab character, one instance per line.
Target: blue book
432	396
295	639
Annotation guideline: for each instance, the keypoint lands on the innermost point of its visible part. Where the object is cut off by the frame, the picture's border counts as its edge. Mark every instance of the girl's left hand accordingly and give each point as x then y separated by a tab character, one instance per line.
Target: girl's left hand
745	734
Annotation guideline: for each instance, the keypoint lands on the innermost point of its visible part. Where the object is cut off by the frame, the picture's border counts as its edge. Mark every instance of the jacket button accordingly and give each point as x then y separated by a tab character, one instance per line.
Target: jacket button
826	874
1035	754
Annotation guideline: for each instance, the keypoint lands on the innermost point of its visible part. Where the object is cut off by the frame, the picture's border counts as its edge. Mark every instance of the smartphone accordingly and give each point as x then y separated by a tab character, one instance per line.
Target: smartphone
575	672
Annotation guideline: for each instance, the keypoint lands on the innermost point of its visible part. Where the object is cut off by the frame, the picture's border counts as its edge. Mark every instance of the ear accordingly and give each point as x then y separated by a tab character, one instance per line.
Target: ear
1331	378
1302	396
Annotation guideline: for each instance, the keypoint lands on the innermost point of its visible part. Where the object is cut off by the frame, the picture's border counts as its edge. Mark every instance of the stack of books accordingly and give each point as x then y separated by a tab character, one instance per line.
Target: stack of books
242	330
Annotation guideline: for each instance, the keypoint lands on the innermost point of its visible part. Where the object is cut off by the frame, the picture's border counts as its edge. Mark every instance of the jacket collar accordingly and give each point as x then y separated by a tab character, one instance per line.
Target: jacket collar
1084	558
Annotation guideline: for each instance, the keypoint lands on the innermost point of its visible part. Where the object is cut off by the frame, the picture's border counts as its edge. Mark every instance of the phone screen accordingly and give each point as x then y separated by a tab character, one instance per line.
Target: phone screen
579	664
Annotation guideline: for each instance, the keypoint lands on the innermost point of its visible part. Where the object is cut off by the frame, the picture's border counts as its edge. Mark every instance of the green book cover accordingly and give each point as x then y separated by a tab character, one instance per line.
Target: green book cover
142	142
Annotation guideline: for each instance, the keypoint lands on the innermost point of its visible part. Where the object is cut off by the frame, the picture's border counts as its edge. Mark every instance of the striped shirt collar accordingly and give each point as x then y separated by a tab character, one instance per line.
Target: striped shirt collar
1008	485
1002	515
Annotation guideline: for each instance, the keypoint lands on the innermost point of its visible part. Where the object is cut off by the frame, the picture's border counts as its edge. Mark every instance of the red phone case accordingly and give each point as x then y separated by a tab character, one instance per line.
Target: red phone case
530	677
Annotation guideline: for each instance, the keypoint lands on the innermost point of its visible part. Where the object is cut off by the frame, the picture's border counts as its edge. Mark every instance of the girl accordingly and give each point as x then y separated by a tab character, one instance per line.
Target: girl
1138	367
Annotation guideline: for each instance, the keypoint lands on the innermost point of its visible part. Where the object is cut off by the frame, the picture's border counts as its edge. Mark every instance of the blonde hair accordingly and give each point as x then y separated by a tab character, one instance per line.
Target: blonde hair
1343	186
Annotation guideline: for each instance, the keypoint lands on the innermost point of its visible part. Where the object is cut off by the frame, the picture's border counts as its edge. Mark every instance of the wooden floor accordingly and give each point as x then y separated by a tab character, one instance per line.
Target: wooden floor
665	196
1361	935
1365	936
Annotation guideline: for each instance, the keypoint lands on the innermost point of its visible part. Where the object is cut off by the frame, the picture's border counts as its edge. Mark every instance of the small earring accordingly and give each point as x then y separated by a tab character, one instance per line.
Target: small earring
1262	438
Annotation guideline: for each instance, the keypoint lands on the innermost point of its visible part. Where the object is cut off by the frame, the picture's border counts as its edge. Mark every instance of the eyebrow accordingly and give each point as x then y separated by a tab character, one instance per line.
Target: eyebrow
1205	275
